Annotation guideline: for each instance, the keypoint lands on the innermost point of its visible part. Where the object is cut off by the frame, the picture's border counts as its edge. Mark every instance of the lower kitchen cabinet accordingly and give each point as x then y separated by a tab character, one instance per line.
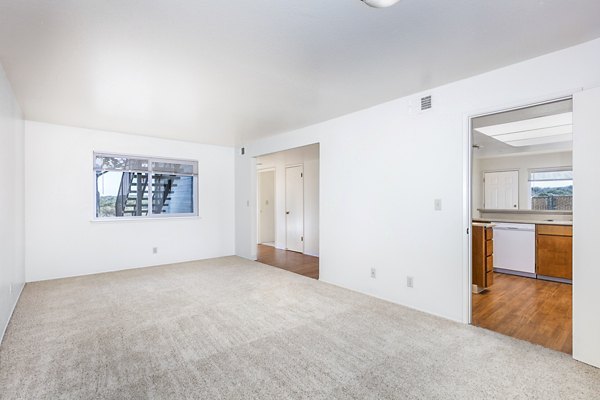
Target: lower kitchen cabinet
554	251
483	256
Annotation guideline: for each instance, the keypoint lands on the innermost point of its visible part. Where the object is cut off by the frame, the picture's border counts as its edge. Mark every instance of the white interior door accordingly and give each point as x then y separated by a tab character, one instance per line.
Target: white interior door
501	190
266	207
294	208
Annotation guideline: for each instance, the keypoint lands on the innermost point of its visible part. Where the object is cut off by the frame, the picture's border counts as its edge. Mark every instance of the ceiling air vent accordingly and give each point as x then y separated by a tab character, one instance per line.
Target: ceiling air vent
425	103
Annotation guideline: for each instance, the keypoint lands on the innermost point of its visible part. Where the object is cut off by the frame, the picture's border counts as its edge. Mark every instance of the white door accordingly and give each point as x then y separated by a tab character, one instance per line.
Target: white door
294	208
266	207
501	190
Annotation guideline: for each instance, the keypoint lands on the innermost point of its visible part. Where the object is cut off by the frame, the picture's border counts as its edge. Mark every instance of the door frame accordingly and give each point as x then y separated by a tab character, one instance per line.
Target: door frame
285	203
258	176
468	183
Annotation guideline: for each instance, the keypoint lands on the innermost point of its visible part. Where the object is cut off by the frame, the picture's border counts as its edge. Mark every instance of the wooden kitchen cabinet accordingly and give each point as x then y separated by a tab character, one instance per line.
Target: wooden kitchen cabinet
554	251
483	256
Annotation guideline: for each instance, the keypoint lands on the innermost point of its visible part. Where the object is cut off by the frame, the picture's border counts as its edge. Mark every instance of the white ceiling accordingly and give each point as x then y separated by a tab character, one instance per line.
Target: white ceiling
226	72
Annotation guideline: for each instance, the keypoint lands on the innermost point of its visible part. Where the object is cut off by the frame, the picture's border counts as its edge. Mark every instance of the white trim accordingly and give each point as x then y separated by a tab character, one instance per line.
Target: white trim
467	220
386	300
548	169
12	311
156	217
166	159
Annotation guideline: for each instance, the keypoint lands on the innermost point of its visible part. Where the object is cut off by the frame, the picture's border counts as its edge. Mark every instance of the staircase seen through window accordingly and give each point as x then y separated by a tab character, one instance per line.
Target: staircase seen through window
136	187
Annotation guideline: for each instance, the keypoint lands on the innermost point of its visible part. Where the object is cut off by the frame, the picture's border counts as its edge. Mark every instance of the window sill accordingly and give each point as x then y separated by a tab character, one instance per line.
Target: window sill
521	211
143	219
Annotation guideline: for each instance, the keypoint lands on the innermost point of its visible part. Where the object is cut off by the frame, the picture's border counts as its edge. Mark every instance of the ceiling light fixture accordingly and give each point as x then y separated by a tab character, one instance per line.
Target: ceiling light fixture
380	3
542	130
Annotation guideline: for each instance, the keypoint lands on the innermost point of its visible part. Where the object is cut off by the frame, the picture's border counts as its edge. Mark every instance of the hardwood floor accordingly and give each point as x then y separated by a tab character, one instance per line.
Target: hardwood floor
289	260
530	309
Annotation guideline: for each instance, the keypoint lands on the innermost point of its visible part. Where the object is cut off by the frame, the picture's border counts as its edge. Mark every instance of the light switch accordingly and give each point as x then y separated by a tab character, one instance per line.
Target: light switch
437	204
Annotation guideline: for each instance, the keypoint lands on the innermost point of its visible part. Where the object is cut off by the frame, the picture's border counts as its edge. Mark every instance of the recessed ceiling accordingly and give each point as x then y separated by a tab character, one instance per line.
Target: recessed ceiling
227	72
549	129
540	128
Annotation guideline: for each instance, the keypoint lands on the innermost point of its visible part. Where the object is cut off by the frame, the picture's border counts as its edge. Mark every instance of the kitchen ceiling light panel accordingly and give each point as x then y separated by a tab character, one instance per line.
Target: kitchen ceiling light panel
550	129
535	133
541	140
528	124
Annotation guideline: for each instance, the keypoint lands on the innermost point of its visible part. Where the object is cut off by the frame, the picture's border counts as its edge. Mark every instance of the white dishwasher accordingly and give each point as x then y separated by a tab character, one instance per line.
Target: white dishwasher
514	248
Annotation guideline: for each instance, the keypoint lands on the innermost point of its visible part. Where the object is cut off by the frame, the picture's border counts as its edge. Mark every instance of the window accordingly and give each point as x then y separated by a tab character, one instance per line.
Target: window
138	187
551	189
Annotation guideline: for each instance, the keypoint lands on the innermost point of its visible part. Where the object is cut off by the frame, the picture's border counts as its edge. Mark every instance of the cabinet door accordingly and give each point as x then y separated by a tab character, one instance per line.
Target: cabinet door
478	256
555	256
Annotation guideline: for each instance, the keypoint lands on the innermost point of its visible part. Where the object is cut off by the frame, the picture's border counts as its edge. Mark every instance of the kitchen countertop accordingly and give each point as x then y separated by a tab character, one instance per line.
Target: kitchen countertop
522	221
484	224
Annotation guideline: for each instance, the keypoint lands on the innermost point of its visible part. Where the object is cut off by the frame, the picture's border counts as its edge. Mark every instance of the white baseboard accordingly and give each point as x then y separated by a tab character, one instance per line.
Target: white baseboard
11	312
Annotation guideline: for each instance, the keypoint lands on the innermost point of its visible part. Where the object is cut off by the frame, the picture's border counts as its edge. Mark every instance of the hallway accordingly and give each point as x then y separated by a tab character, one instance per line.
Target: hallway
289	260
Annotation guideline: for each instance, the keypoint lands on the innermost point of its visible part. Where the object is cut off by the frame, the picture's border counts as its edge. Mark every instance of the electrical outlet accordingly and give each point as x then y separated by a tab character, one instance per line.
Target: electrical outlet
373	273
437	204
155	250
409	281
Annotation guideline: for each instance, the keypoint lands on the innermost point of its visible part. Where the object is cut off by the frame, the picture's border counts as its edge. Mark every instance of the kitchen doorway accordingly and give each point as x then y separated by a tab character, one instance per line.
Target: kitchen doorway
521	228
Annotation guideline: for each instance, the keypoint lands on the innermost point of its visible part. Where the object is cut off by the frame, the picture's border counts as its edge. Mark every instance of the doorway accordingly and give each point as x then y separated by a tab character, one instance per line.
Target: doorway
292	178
522	221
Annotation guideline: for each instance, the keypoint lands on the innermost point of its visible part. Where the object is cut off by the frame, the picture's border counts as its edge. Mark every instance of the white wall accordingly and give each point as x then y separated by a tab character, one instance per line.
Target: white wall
12	267
245	205
266	206
382	168
586	219
311	207
309	158
61	238
522	163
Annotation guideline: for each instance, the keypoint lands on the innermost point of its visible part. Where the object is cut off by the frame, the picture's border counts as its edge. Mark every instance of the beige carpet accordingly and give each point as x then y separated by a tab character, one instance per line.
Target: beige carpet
233	329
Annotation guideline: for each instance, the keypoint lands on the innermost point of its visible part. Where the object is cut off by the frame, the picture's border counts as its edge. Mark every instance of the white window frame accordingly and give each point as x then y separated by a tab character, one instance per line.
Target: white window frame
151	215
548	169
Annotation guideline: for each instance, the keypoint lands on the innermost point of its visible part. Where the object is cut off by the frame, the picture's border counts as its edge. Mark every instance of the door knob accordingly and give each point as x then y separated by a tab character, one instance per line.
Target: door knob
287	212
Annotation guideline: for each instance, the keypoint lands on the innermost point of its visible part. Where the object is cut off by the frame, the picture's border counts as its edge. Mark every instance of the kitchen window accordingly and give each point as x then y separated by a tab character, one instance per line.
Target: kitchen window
551	189
144	187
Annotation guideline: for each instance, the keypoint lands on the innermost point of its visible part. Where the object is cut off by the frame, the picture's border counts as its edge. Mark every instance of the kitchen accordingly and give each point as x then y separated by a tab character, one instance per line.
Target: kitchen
522	187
